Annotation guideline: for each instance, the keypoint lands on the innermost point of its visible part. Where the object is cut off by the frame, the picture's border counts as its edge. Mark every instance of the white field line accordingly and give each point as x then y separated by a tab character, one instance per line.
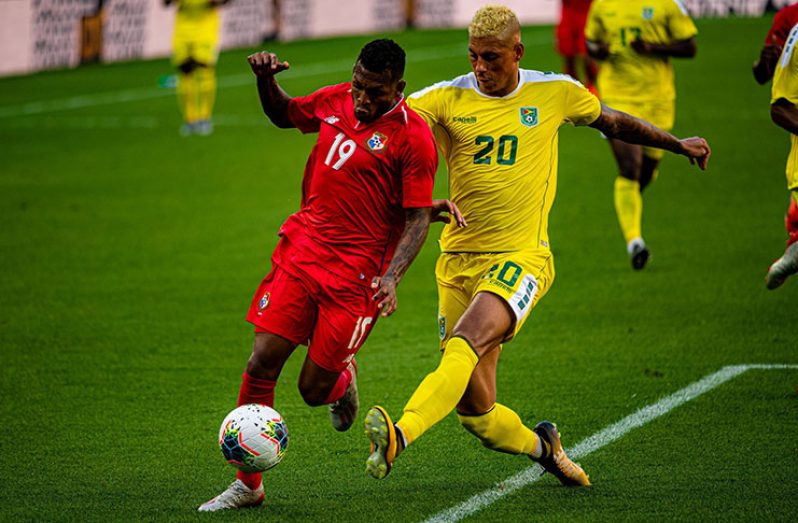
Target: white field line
423	54
601	439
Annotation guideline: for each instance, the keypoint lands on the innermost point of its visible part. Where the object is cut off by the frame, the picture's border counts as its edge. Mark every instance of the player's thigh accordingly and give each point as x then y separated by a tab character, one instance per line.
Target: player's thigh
346	316
520	279
456	280
284	304
181	50
480	394
205	51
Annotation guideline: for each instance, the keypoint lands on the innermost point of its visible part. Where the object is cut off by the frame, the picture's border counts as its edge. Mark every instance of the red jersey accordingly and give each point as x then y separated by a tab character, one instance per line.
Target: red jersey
782	25
576	5
358	181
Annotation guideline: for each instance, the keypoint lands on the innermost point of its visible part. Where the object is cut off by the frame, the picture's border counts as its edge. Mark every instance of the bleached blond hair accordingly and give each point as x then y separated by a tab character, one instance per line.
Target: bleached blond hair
494	21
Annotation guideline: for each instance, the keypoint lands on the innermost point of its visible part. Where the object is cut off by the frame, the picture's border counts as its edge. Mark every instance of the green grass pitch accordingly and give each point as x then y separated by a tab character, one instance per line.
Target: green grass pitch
128	256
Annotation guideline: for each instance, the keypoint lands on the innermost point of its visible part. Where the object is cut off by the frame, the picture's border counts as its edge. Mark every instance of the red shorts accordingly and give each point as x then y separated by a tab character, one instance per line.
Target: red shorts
312	306
570	33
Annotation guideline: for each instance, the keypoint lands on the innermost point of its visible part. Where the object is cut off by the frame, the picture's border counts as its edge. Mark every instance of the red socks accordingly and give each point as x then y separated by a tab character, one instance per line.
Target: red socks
255	390
791	222
338	390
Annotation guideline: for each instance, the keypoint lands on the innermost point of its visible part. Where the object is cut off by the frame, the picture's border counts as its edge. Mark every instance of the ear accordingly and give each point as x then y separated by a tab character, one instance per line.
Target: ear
400	87
518	48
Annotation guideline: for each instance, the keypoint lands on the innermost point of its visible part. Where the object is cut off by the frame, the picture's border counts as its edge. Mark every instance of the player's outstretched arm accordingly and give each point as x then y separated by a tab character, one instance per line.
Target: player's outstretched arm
416	226
785	115
765	66
625	127
681	49
272	97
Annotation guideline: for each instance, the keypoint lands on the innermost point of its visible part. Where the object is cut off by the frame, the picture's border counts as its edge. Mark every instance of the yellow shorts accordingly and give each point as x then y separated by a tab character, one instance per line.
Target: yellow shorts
662	114
199	42
792	165
520	278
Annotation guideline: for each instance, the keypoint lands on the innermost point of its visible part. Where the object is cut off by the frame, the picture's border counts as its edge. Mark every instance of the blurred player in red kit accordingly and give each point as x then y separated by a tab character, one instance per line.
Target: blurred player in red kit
365	211
571	41
774	43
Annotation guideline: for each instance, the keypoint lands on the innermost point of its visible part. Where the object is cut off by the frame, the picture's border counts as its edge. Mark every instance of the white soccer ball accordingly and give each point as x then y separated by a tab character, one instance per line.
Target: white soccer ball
253	438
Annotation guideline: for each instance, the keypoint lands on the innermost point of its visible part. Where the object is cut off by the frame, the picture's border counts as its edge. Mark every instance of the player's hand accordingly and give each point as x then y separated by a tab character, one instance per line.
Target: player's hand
641	46
266	64
386	294
697	150
439	207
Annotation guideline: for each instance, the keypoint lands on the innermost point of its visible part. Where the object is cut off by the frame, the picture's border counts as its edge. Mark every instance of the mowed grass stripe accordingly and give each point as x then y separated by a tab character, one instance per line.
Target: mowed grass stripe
602	438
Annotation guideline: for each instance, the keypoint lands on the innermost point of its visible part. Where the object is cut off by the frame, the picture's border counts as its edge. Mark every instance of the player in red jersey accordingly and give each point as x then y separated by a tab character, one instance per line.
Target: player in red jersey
570	35
366	207
774	43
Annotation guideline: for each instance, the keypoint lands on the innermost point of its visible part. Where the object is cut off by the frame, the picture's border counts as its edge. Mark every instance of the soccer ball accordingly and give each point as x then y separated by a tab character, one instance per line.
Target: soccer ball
253	438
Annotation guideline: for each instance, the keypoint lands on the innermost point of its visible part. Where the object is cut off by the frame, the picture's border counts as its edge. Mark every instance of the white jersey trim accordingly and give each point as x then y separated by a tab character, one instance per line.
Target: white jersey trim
789	47
682	7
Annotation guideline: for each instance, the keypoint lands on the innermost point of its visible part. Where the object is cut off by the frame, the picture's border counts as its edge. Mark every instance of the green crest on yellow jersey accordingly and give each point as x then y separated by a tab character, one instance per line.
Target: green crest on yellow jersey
529	116
648	13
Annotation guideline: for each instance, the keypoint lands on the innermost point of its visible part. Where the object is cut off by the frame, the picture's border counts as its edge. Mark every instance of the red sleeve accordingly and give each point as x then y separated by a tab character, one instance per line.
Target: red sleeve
419	159
782	25
302	110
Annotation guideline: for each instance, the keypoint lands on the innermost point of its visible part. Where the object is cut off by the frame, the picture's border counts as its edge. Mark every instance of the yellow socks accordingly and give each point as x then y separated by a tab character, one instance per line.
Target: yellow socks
187	96
206	91
501	429
629	207
440	391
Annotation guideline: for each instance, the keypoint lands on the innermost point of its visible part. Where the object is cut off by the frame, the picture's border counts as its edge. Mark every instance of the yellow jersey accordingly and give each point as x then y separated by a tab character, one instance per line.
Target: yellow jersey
196	19
501	154
626	75
785	78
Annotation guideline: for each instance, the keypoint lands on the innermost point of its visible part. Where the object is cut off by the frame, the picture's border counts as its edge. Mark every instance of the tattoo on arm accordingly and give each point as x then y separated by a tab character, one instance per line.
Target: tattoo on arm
274	101
625	127
416	227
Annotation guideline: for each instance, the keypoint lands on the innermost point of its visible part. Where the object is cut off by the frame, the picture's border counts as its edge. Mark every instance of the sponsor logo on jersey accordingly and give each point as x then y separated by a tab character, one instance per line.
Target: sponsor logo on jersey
529	116
648	13
465	119
377	141
442	326
264	302
332	120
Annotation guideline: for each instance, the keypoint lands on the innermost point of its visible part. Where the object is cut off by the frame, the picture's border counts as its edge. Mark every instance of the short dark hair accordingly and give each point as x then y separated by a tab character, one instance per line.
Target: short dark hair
382	55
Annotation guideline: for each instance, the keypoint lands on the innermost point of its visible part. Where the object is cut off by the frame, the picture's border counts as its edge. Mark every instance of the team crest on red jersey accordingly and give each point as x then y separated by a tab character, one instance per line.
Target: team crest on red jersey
377	142
264	302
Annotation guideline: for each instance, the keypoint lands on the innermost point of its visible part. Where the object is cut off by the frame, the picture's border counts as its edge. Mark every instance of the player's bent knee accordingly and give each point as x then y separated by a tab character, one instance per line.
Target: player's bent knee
312	394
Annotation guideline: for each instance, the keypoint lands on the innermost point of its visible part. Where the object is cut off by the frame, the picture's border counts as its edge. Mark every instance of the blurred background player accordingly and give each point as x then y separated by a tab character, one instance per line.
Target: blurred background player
570	36
775	40
195	50
366	208
635	40
784	113
498	128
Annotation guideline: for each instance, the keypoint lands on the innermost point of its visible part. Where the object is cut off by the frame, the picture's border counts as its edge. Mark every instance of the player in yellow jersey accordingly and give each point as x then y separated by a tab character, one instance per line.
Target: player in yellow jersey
636	39
196	47
497	128
784	112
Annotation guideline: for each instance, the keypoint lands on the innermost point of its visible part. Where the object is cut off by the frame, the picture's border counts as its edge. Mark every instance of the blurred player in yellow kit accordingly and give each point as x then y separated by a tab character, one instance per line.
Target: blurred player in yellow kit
498	129
195	50
784	113
635	39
